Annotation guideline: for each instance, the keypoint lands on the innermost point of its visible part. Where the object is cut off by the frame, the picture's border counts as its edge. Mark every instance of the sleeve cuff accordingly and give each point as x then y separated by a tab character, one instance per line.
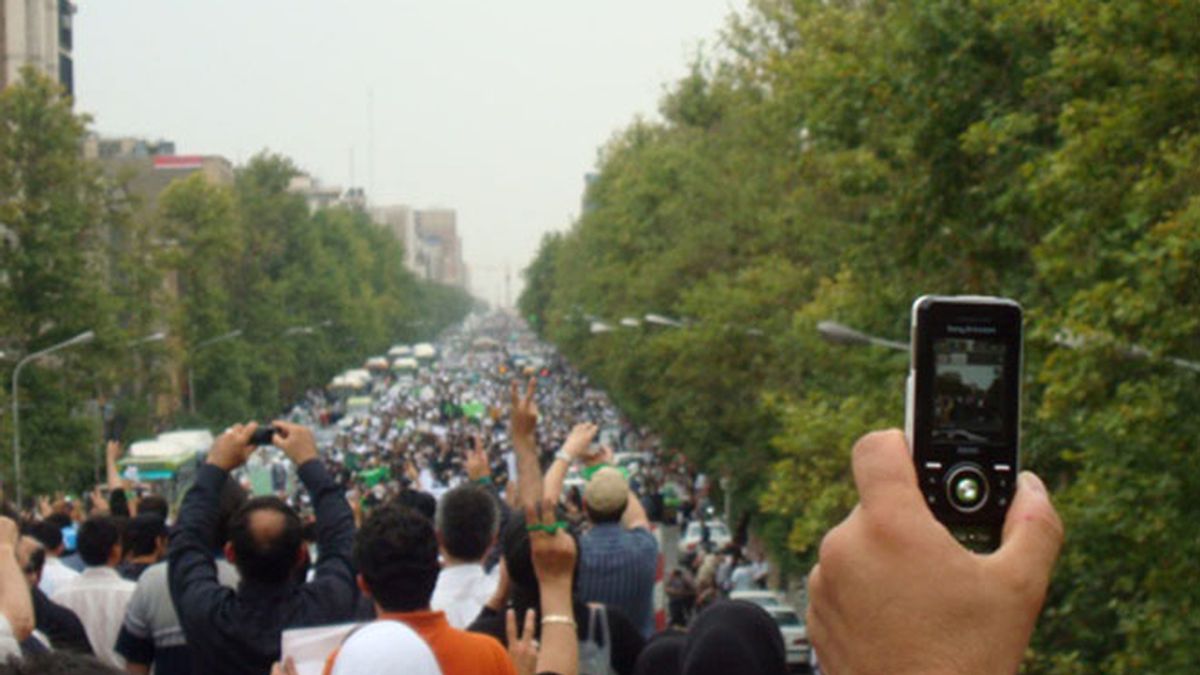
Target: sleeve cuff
313	474
211	476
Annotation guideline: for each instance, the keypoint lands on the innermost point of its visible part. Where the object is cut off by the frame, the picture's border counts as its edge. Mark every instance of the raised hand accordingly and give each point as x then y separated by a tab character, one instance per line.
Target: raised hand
523	422
477	464
232	448
522	647
579	440
553	548
296	441
100	505
112	451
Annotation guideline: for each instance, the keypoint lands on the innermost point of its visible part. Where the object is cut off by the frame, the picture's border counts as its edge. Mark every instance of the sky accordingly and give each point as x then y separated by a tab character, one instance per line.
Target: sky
495	109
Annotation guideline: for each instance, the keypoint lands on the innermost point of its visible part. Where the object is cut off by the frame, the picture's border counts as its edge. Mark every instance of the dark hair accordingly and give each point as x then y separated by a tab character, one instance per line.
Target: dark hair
142	533
518	562
57	663
96	539
229	504
467	519
397	554
59	520
37	560
48	533
154	504
267	557
421	502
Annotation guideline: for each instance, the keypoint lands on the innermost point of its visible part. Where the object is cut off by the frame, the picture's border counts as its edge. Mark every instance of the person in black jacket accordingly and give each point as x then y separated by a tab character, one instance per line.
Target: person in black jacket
234	632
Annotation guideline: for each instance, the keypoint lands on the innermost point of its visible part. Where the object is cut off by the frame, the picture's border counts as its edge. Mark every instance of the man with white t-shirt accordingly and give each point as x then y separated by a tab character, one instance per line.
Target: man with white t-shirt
99	595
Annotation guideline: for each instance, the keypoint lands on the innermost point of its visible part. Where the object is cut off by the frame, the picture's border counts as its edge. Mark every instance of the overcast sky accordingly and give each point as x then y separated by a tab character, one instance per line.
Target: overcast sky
495	109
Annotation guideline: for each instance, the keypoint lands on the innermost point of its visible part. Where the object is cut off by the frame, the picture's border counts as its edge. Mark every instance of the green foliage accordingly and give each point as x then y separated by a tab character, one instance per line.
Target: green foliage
839	159
312	293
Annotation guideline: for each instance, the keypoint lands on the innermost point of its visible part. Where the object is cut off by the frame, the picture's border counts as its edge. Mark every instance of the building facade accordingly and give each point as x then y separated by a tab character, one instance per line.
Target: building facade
40	34
432	247
320	196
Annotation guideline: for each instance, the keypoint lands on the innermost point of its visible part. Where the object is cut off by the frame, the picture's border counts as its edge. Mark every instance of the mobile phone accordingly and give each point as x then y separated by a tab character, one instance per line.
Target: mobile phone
263	435
963	410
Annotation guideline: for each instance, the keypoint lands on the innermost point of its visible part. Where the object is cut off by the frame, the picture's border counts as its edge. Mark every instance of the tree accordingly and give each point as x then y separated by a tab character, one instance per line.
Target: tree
838	159
55	280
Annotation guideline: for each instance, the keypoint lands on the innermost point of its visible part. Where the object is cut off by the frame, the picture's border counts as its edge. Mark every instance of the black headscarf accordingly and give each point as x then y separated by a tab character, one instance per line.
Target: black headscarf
728	637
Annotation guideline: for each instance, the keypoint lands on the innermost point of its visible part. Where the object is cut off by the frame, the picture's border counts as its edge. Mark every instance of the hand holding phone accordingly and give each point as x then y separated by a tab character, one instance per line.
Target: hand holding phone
962	412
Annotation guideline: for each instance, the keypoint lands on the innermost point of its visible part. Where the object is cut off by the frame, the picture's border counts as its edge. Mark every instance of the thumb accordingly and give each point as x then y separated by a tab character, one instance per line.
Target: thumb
1033	534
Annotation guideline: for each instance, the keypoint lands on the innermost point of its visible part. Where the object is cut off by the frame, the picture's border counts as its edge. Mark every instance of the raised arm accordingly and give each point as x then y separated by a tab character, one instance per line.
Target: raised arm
573	450
112	452
554	554
192	574
16	604
335	520
523	429
635	514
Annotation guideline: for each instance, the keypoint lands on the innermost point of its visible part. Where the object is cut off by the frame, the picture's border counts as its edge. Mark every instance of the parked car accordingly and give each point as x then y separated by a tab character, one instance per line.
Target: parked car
795	634
764	599
718	536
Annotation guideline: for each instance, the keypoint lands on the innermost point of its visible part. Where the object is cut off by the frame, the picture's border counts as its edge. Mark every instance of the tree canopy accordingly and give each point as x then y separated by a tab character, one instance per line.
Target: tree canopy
311	293
835	160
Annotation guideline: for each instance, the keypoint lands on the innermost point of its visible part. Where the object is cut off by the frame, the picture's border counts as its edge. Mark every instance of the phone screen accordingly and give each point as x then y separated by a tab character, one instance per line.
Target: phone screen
969	391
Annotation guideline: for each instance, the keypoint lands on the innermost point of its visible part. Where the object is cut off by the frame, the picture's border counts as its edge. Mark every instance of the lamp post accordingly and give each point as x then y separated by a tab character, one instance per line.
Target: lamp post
153	337
191	375
660	320
1072	340
841	334
82	338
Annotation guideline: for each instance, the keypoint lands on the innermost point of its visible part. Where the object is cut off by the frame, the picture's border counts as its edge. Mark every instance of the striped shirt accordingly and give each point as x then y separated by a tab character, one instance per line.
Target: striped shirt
617	568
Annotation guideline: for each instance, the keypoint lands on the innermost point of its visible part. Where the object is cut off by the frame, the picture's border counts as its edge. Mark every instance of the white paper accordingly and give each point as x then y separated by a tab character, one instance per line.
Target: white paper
309	647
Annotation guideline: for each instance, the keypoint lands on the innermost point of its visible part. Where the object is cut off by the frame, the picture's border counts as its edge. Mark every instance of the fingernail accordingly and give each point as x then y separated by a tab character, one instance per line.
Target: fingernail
1033	483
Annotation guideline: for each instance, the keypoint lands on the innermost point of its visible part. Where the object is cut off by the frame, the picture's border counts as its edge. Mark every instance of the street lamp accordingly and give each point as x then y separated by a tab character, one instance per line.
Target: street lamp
191	379
660	320
1071	340
82	338
153	337
841	334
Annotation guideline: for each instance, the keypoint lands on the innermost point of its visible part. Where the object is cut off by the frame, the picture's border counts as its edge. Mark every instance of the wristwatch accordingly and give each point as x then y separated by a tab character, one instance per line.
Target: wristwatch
564	457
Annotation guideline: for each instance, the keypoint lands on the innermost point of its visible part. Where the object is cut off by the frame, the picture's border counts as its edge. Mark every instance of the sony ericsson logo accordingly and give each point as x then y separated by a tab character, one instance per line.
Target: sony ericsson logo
970	330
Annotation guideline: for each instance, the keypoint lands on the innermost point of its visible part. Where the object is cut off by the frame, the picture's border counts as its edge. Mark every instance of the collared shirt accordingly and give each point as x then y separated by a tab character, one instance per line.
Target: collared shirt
59	625
55	574
99	598
461	592
617	568
151	633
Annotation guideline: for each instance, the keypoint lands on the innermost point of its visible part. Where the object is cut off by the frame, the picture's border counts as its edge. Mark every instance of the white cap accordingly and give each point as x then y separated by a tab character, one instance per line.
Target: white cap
378	647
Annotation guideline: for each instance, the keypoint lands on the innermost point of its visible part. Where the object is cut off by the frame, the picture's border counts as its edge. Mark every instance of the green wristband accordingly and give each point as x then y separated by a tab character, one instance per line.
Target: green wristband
548	529
483	480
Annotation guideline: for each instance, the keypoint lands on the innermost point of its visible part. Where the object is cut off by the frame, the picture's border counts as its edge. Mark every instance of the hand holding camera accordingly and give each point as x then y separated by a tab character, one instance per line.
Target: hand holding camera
295	440
234	447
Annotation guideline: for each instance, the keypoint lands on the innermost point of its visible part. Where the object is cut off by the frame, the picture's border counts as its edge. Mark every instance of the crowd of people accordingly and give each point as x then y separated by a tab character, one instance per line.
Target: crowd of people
473	518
